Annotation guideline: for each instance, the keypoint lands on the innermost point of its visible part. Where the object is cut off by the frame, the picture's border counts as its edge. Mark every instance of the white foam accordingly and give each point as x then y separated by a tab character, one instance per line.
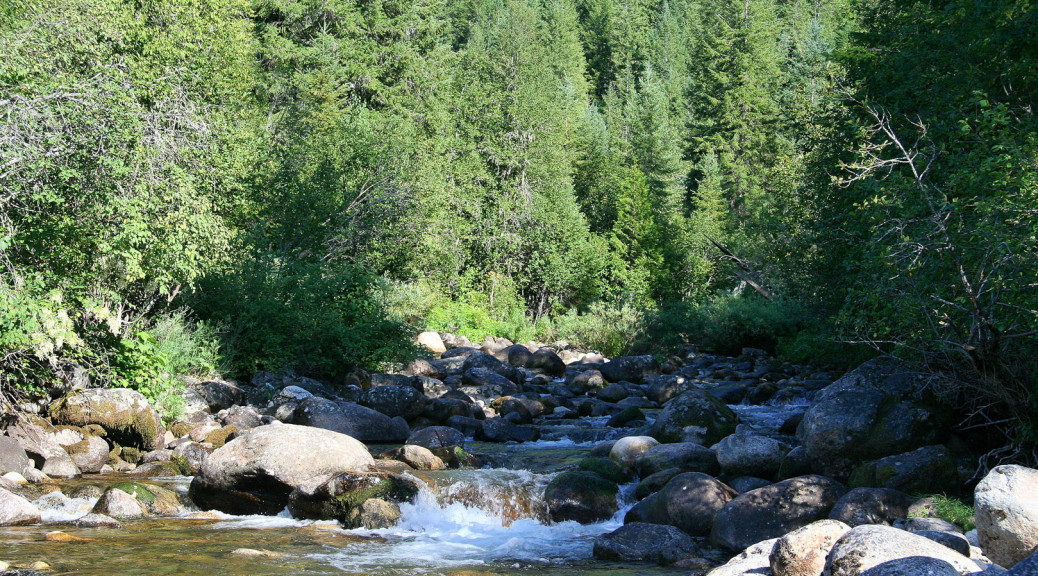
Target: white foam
57	507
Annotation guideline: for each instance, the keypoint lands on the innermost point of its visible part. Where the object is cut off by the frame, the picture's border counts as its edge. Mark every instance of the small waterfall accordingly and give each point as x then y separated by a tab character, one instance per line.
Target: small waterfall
507	495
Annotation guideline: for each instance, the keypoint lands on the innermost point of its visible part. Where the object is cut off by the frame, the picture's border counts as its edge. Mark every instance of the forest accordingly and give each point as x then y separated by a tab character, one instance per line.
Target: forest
200	186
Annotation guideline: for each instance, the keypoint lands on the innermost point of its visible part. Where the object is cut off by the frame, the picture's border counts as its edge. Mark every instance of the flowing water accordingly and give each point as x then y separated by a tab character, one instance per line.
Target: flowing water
463	523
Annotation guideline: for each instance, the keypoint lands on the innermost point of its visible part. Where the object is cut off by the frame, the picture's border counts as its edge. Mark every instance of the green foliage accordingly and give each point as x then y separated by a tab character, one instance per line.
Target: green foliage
953	510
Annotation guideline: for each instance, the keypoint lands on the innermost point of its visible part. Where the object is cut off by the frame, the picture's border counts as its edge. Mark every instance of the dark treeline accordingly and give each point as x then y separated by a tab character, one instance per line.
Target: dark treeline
202	185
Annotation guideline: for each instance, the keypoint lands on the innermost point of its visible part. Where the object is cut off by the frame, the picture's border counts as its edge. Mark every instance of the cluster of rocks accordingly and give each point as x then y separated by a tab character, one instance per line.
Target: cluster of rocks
828	494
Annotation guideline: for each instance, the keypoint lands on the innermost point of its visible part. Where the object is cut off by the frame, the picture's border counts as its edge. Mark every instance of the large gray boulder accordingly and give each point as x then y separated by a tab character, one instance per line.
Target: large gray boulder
775	510
913	566
748	454
481	361
694	416
927	469
871	506
125	415
90	455
1026	567
663	388
15	510
687	456
581	496
403	401
803	551
1006	511
628	450
641	542
630	368
434	437
354	420
12	457
873	411
689	501
256	472
865	547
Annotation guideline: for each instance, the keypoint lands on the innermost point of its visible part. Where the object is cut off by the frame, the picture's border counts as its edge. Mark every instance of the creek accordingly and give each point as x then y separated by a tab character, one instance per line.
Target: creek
464	522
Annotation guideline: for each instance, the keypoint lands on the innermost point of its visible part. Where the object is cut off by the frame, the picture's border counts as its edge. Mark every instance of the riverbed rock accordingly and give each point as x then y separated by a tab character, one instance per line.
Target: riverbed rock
219	394
434	437
613	393
501	430
342	496
403	401
748	454
627	451
16	511
416	457
351	419
154	500
93	520
547	361
662	388
481	361
125	415
871	412
927	469
432	342
952	540
90	454
13	457
118	504
871	506
1006	511
584	382
256	472
581	496
641	542
688	456
803	551
688	501
865	547
192	454
1026	567
913	566
630	368
694	416
489	383
775	510
755	560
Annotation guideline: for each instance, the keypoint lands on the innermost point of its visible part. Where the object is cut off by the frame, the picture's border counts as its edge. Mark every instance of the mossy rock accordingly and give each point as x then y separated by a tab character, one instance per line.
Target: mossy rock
219	437
605	468
180	429
156	499
130	454
341	497
124	415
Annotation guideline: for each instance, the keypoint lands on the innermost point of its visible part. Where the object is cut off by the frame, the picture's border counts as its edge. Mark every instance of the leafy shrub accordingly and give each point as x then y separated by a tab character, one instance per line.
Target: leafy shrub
314	317
611	329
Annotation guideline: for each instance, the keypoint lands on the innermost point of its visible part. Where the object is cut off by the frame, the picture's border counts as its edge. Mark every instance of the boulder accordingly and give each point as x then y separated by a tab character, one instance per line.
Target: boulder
584	382
241	417
627	417
151	499
613	393
15	510
192	455
774	510
90	454
655	482
581	496
125	415
688	456
501	430
747	454
641	542
1006	511
256	472
952	540
871	506
689	501
630	368
547	361
439	410
12	457
96	521
219	394
483	361
403	401
116	503
1026	567
694	416
755	560
913	566
342	497
432	342
627	451
416	457
930	468
865	547
36	441
803	551
60	466
351	419
869	413
434	437
490	383
663	388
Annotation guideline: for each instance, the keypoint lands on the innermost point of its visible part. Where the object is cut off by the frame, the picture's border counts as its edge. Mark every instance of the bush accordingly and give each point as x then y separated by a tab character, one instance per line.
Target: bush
317	318
611	329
